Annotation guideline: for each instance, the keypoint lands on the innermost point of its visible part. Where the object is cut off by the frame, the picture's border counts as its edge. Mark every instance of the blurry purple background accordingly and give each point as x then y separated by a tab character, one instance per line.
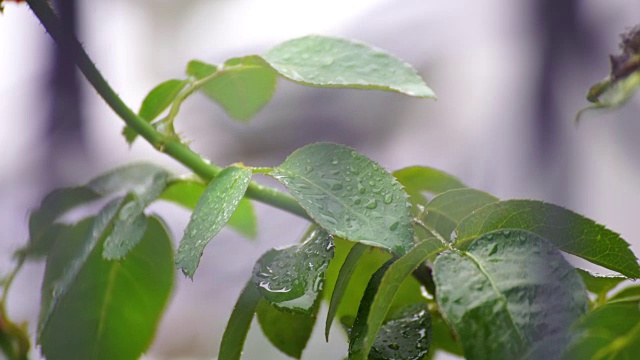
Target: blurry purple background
510	76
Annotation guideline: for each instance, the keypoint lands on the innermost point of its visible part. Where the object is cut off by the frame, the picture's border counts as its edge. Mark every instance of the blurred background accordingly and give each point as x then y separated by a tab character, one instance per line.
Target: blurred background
510	76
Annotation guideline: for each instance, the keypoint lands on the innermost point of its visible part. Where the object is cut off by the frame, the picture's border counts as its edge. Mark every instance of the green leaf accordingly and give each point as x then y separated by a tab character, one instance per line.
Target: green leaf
631	293
419	179
199	69
445	211
406	337
287	331
332	62
186	192
376	302
130	224
442	338
346	272
239	323
600	284
611	332
349	195
511	295
568	231
291	279
216	205
111	309
242	86
157	101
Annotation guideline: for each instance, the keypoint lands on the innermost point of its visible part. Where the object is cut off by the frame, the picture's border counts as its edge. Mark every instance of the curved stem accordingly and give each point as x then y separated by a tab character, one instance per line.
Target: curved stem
167	144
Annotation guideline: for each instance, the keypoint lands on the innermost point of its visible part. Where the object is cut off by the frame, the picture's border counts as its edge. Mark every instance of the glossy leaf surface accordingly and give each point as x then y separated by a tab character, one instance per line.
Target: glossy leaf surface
216	205
291	279
419	179
287	331
239	323
406	337
445	211
378	298
349	195
511	295
157	101
100	316
567	230
242	86
332	62
186	192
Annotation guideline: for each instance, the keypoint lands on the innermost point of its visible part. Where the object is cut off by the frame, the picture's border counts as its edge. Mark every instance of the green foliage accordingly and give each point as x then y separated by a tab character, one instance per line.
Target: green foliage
411	263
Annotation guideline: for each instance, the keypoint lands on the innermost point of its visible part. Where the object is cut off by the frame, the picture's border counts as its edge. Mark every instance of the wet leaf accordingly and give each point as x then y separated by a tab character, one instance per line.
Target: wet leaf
239	323
442	338
611	331
157	101
378	297
291	279
446	211
568	231
99	316
243	86
406	337
216	205
287	331
600	284
332	62
511	295
419	179
186	192
349	195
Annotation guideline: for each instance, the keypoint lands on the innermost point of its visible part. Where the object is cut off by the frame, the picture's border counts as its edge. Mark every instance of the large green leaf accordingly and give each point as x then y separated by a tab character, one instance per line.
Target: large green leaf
242	86
610	332
291	279
332	62
600	284
157	101
445	211
186	192
216	205
407	336
442	338
630	293
419	179
567	230
349	195
287	331
511	295
239	323
110	309
378	298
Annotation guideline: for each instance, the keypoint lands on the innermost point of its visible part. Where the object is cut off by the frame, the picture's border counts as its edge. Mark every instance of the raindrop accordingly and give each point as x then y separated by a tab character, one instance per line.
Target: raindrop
372	204
394	226
388	198
394	346
354	154
334	162
361	189
358	201
308	169
336	186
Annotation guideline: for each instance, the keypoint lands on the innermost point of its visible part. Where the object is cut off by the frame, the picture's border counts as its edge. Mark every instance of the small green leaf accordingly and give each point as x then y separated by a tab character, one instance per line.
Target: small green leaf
378	297
291	279
109	310
600	284
419	179
631	293
287	331
243	86
346	271
446	211
186	192
406	337
332	62
442	338
239	323
157	101
199	69
349	195
133	178
511	295
216	205
611	332
568	231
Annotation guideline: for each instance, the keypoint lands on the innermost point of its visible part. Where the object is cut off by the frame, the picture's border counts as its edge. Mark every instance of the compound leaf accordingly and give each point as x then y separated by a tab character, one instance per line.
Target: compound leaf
287	331
511	295
568	231
110	309
291	279
349	195
332	62
216	205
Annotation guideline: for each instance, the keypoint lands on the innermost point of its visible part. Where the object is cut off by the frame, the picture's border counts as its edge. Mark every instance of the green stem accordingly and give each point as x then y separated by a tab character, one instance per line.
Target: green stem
167	144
